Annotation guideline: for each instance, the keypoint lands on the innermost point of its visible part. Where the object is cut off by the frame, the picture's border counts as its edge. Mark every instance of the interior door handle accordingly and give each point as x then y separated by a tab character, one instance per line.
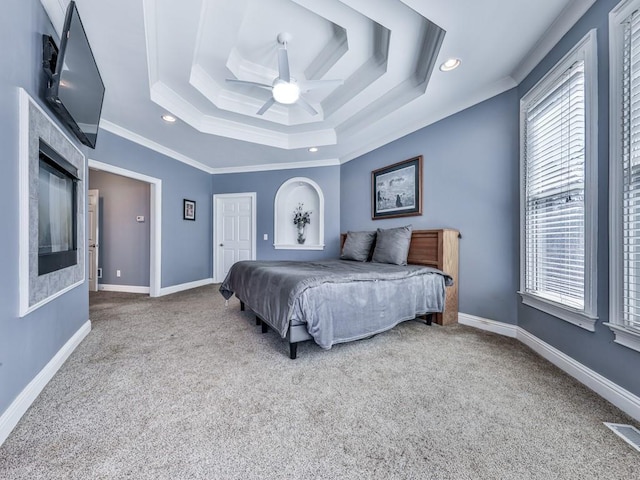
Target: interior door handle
222	244
94	245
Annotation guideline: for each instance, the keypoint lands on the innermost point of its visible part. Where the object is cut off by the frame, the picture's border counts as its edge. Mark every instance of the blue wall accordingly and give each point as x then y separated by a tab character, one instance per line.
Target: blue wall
266	184
595	350
186	245
26	344
124	242
470	184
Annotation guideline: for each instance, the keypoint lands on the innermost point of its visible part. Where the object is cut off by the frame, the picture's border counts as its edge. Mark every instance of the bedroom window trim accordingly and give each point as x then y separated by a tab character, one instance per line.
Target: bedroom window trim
626	335
585	317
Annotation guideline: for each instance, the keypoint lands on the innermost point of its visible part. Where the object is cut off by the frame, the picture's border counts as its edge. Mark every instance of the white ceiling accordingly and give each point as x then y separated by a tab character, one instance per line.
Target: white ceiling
167	56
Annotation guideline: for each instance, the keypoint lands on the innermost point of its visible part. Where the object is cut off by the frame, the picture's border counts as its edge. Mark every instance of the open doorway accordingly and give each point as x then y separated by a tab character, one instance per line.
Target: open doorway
129	242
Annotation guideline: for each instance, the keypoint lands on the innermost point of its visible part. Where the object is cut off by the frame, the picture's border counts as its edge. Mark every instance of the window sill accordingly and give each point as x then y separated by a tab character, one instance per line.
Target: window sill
626	337
573	316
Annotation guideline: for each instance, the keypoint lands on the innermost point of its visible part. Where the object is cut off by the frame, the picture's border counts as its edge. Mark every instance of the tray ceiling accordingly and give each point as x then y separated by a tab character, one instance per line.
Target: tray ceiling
163	56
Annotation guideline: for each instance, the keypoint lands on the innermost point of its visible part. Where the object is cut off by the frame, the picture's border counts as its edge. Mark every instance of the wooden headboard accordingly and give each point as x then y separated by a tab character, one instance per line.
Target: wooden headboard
438	249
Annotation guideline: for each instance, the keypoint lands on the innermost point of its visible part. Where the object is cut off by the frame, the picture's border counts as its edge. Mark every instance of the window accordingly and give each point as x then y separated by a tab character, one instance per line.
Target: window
559	189
624	314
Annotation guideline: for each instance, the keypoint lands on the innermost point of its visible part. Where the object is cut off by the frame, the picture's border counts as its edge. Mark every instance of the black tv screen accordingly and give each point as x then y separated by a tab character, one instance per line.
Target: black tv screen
75	89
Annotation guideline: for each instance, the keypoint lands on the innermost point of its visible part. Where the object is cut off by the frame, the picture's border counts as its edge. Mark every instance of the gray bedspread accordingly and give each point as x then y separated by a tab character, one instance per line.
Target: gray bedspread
279	291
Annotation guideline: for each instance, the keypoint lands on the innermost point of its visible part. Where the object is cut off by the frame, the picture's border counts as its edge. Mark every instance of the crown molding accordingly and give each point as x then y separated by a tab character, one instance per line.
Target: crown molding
558	29
331	162
150	144
413	125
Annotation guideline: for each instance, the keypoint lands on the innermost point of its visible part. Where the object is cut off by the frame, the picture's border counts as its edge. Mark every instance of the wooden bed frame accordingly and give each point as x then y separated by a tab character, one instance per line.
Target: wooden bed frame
431	248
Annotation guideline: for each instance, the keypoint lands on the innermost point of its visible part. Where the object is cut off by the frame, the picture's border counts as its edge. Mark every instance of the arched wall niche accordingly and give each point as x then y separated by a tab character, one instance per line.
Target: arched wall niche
295	191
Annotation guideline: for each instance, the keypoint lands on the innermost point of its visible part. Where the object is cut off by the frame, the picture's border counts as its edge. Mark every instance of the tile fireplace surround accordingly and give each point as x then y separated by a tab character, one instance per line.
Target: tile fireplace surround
36	290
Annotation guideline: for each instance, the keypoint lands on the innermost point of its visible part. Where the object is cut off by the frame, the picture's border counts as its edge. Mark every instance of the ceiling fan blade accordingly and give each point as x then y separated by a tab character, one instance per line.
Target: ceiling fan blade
283	65
315	84
251	84
307	106
266	106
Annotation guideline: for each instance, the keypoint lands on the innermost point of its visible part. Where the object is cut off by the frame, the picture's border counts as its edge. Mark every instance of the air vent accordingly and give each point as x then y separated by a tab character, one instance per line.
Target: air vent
629	434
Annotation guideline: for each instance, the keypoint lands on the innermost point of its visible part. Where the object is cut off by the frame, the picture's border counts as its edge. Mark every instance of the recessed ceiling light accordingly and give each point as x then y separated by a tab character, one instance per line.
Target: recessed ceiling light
313	149
168	118
450	64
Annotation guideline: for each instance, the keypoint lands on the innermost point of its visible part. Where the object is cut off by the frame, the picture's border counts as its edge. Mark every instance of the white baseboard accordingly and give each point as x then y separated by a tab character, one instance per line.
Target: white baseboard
614	393
500	328
23	401
185	286
122	288
621	398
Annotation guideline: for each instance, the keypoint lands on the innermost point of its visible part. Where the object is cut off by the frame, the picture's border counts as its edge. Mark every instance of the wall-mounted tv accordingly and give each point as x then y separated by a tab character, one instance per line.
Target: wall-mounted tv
75	89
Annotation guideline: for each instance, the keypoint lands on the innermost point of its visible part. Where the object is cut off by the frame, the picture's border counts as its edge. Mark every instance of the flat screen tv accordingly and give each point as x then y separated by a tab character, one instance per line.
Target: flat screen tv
74	90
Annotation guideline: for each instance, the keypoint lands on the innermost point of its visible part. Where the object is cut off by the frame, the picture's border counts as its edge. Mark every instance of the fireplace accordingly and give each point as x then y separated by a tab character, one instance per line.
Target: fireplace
57	211
52	209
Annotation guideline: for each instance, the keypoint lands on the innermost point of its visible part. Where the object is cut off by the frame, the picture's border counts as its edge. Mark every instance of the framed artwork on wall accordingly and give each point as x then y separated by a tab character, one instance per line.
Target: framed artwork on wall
396	190
189	209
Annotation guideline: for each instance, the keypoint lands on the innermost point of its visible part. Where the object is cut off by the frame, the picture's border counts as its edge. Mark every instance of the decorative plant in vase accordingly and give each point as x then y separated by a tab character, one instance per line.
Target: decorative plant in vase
301	219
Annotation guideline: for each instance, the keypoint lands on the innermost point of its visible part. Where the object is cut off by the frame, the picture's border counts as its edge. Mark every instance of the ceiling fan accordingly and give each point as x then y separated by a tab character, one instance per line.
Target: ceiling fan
285	89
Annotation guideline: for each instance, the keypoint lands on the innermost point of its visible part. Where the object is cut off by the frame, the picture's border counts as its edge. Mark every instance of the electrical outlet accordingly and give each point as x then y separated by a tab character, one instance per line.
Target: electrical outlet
99	273
117	273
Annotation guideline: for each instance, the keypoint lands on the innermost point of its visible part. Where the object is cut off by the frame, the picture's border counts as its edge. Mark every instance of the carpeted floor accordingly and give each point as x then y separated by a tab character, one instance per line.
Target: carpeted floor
182	387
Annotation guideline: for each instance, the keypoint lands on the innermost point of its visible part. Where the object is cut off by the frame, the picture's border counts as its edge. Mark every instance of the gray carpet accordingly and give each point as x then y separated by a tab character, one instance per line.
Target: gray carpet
183	387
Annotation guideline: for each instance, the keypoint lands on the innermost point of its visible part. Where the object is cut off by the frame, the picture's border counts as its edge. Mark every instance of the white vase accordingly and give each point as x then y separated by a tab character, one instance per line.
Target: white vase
301	234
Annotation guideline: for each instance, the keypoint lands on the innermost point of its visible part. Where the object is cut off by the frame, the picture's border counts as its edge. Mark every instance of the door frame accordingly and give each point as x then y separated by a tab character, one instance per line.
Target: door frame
96	261
155	222
216	240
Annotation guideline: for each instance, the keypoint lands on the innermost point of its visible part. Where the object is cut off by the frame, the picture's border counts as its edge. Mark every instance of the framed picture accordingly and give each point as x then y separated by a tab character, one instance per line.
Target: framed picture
396	190
189	209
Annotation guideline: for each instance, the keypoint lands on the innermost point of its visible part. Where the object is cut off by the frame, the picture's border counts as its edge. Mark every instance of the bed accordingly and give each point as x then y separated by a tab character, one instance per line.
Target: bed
337	301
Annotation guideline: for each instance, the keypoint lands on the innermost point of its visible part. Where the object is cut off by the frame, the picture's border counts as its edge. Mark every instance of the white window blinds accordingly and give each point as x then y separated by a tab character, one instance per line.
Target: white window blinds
554	185
631	172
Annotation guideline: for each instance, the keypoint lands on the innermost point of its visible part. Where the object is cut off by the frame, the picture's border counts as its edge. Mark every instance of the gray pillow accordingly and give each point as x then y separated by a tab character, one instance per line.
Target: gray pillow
357	246
392	245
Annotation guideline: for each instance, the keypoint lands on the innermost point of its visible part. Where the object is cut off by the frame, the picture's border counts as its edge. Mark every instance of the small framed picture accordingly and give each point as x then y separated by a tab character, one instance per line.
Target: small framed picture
396	190
189	209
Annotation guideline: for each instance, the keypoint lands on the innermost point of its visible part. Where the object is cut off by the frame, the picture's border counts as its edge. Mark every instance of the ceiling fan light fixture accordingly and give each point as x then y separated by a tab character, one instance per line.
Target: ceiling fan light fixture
285	92
450	64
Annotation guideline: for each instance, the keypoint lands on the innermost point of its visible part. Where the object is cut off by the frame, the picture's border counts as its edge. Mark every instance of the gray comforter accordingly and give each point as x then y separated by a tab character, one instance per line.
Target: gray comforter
371	297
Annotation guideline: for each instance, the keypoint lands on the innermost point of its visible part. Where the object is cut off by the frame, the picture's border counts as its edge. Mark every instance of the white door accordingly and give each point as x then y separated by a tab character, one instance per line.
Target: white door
235	231
93	239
